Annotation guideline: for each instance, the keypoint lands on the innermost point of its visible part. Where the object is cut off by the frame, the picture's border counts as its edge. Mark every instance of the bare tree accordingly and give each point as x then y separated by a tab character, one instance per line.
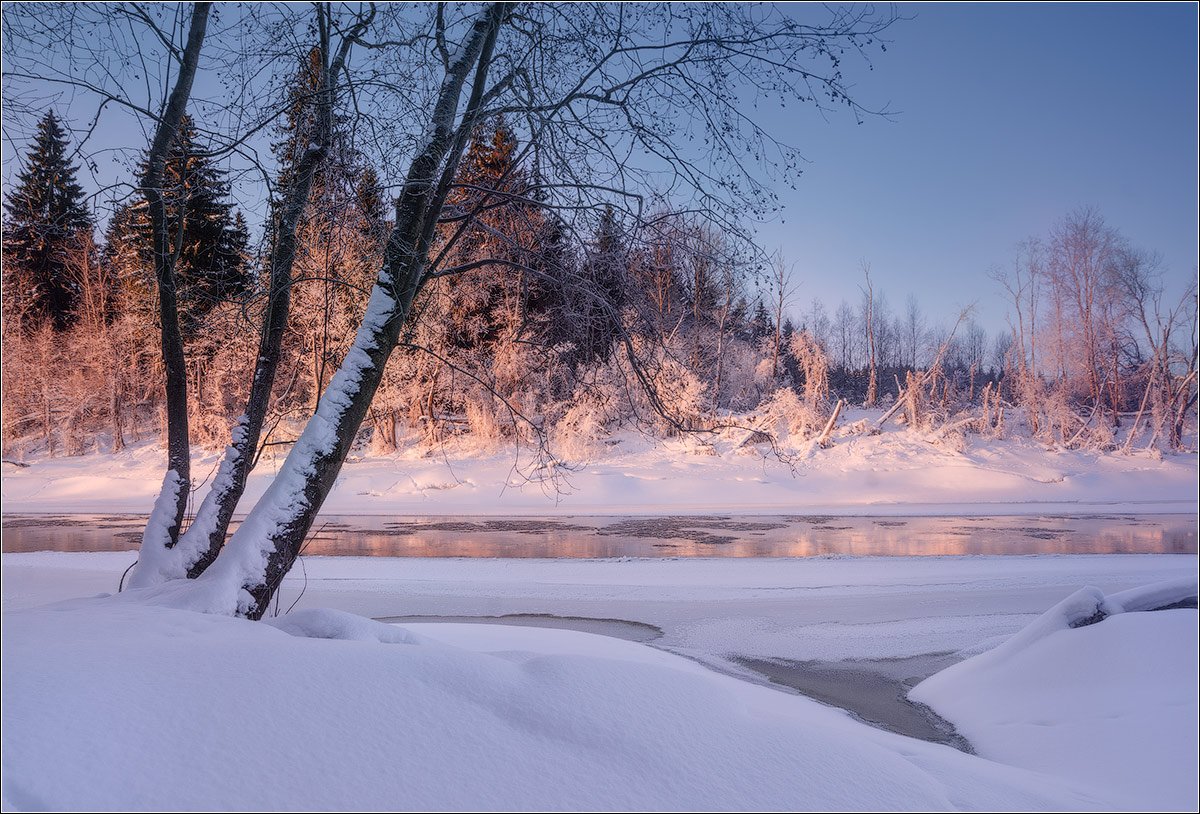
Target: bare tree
206	535
1168	393
1081	256
913	331
784	290
844	336
162	529
1022	286
597	93
567	103
869	331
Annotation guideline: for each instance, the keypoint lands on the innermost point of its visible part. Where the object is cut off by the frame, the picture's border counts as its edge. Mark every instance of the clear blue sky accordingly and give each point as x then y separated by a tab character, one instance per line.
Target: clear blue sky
1008	117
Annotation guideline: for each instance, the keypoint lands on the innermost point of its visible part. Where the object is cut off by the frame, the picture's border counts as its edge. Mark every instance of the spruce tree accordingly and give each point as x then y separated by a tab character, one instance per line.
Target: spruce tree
370	199
46	217
213	247
605	278
485	300
760	325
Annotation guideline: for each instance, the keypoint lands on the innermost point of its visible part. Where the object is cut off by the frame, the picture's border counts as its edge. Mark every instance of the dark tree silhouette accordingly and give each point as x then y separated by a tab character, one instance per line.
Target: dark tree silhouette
46	217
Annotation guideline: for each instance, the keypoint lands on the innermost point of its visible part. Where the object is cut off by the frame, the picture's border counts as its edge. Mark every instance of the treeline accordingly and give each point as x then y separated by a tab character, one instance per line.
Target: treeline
548	326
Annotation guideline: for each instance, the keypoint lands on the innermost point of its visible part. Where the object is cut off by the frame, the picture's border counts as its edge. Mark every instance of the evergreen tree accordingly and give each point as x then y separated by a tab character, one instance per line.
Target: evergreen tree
604	275
760	325
46	219
371	206
213	240
300	119
484	299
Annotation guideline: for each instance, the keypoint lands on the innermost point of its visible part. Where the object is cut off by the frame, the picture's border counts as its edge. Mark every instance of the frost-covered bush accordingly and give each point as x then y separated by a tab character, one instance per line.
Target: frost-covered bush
739	379
789	417
814	369
663	384
595	410
486	421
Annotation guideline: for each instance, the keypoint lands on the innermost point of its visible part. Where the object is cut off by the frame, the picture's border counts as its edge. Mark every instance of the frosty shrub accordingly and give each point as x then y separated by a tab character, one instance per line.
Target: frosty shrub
814	370
790	418
485	421
594	411
680	392
739	389
1058	419
915	406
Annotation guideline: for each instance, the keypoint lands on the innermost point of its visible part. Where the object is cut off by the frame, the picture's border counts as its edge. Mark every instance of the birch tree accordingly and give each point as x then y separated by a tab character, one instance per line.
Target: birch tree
616	106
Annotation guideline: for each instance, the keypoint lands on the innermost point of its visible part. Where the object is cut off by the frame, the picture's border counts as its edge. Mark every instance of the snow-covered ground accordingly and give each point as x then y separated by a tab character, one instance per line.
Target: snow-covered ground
896	472
111	703
1111	705
115	705
825	609
121	702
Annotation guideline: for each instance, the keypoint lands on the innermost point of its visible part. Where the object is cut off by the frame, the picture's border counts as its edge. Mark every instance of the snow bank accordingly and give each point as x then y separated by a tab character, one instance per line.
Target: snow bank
893	473
117	705
1153	597
1111	705
325	623
824	609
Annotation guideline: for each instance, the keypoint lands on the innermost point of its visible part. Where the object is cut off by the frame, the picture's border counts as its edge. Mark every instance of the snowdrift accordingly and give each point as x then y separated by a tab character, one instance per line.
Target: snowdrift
111	704
1093	690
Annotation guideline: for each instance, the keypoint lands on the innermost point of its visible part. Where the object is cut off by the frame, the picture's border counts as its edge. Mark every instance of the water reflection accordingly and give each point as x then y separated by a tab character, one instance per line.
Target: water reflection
712	536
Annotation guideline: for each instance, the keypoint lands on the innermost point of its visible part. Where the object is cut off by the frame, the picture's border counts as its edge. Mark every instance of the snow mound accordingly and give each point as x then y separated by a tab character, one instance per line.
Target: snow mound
1110	704
122	705
324	623
1168	593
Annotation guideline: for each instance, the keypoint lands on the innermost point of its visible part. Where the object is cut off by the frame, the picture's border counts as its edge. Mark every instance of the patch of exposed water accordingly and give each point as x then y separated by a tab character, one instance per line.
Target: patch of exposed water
873	691
616	628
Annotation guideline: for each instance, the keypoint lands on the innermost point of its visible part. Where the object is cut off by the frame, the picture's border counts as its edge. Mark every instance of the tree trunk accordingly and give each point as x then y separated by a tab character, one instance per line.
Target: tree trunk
162	529
202	542
259	554
873	377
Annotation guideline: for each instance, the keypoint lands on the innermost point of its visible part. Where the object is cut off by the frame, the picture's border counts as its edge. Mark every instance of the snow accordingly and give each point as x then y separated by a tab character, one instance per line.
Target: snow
1111	705
1153	597
162	563
143	700
194	541
894	473
159	561
825	609
114	702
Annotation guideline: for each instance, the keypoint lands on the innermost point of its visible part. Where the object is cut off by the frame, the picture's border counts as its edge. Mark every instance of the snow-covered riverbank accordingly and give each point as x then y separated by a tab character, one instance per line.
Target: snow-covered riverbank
819	608
897	472
110	703
114	703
